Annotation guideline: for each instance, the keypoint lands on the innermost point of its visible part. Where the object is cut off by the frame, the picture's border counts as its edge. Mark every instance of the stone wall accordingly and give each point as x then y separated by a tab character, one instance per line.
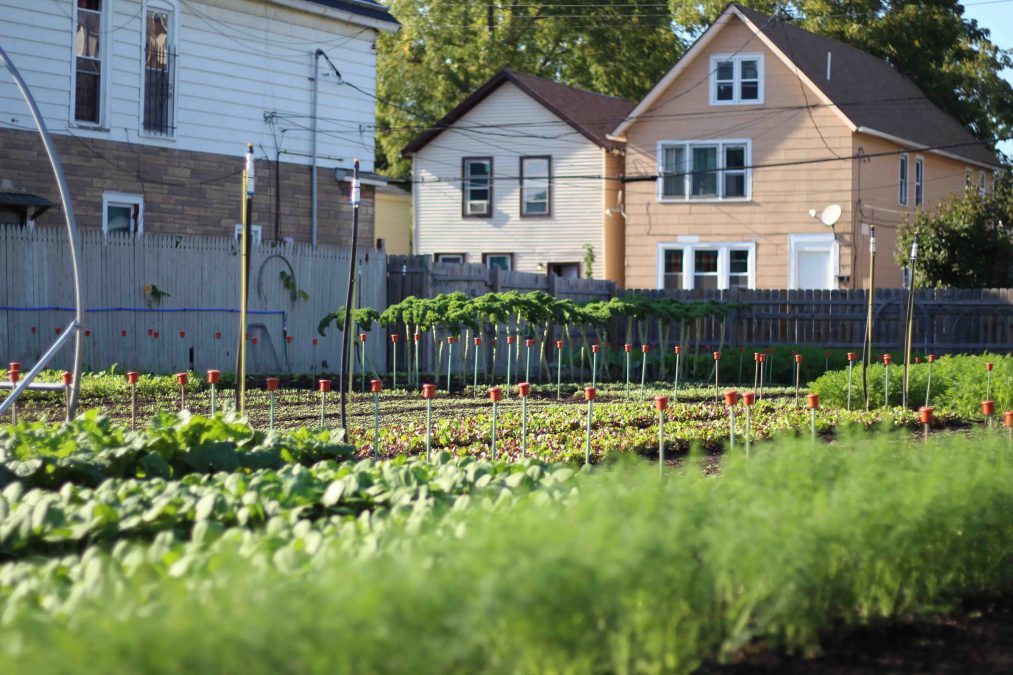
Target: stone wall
184	192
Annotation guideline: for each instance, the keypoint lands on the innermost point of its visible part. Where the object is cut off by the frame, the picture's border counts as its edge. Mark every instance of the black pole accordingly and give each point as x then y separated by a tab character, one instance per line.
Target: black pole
347	328
909	322
867	343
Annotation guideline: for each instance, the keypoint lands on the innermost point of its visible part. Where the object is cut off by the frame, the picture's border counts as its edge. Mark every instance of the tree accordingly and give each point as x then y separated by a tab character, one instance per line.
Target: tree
445	50
966	242
949	57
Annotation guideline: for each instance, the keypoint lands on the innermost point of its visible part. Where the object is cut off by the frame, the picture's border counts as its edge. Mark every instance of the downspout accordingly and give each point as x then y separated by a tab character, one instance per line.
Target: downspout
313	144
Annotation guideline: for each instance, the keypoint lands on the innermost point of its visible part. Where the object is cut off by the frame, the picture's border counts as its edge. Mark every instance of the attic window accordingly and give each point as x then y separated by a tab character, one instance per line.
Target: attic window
736	79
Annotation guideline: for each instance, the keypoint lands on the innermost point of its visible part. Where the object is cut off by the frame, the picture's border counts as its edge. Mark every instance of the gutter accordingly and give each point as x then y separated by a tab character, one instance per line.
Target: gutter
922	148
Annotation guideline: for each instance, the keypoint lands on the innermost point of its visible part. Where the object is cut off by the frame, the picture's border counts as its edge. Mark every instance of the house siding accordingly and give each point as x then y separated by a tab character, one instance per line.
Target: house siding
576	188
781	131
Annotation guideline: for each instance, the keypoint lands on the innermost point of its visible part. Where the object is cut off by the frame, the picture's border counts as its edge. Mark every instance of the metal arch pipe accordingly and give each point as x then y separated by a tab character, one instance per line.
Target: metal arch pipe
68	212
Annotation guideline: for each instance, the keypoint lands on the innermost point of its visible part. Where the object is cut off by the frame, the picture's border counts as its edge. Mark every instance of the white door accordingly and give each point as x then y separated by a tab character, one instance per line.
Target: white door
812	261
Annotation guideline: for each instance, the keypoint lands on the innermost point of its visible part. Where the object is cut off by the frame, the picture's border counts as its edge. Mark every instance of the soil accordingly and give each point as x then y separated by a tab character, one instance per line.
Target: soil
976	638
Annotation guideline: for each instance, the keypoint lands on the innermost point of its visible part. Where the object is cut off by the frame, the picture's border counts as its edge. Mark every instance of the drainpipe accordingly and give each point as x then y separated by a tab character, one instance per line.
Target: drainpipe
313	143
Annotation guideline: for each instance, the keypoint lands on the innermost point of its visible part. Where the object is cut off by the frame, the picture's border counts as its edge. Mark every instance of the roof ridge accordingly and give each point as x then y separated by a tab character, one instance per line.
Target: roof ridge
557	83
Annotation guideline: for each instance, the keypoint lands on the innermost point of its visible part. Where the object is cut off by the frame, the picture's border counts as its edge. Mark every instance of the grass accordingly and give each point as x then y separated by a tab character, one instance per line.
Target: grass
631	573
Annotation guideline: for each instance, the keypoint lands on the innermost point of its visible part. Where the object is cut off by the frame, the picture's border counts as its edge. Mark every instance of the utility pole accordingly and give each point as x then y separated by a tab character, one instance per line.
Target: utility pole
343	380
867	343
244	283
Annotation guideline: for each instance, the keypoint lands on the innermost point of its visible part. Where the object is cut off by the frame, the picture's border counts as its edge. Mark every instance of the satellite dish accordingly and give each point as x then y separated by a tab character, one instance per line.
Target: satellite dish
831	215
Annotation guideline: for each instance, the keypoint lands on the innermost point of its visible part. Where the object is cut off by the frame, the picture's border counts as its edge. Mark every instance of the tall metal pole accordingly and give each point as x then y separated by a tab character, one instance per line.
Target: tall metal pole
909	329
313	145
867	342
68	214
356	197
244	283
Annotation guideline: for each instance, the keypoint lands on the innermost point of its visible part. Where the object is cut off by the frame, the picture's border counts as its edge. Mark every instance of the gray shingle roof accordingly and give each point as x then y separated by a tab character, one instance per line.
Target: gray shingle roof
368	8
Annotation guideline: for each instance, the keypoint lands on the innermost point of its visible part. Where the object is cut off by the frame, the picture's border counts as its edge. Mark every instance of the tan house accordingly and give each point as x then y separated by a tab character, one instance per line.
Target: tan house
759	129
521	176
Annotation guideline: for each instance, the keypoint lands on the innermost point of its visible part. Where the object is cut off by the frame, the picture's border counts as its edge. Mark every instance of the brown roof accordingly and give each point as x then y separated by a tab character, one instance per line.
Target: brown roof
593	115
869	91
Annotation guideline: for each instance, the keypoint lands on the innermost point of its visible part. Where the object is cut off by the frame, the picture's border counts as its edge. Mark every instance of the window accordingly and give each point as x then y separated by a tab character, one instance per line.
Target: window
379	243
476	184
707	265
159	72
122	214
256	231
672	268
736	79
457	258
88	46
503	261
902	182
704	170
968	179
535	176
981	183
919	181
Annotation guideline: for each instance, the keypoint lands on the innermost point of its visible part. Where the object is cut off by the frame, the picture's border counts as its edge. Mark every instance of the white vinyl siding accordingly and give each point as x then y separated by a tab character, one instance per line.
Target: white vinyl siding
576	202
239	61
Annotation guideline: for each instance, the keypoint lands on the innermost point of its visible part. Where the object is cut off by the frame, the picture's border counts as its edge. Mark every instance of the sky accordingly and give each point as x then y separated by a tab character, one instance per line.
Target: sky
997	17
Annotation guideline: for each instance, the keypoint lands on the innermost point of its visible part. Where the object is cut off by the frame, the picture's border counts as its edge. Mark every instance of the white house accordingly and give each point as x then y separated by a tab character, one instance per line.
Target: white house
152	103
521	176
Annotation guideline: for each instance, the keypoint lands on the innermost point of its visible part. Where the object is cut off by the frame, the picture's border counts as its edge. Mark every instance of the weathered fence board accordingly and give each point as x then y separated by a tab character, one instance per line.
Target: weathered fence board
196	323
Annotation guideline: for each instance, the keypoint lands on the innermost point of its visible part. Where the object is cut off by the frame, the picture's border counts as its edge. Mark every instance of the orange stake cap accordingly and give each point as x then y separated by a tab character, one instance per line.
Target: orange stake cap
182	378
394	337
375	386
559	344
932	358
852	356
660	402
645	348
798	358
678	349
590	393
362	337
529	342
417	336
731	397
717	356
214	376
272	384
523	389
887	359
132	377
756	356
429	391
495	394
988	366
14	366
814	401
325	385
628	347
1009	419
749	398
595	348
14	375
68	379
511	339
763	358
988	408
925	414
478	341
918	359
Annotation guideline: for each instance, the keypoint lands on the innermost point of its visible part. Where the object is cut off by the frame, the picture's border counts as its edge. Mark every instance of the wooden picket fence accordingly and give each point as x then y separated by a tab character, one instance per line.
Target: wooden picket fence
197	321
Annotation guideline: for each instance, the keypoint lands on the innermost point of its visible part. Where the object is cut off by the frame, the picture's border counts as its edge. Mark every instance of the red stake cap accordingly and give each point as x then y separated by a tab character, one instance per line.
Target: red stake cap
826	355
628	347
918	359
375	386
925	414
394	337
590	393
988	408
68	379
14	366
798	358
123	333
34	329
749	398
87	333
14	375
182	333
155	335
288	339
1009	419
495	394
314	342
182	378
325	385
814	401
150	332
988	366
645	348
559	344
660	402
756	356
763	358
362	337
511	339
678	349
58	330
218	335
272	384
214	376
530	342
852	356
595	348
132	377
717	356
932	358
887	359
523	389
731	397
429	391
417	336
450	339
253	341
478	341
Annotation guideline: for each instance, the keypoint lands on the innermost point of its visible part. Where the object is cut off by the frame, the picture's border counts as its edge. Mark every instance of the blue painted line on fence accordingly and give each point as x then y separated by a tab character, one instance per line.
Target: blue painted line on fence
149	310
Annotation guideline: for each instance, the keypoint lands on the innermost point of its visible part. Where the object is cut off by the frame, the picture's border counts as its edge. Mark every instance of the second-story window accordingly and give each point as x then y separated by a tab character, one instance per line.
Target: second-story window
736	78
902	181
703	170
982	185
535	193
919	181
159	72
88	62
476	186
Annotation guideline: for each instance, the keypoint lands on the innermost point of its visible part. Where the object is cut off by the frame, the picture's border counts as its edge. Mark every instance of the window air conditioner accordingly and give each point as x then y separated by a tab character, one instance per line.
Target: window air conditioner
478	207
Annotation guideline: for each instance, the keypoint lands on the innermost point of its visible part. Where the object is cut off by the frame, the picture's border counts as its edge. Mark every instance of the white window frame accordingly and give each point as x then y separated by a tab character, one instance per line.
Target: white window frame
466	187
172	7
982	184
487	260
737	60
105	35
919	181
122	199
722	144
257	231
439	257
525	187
819	243
903	178
689	249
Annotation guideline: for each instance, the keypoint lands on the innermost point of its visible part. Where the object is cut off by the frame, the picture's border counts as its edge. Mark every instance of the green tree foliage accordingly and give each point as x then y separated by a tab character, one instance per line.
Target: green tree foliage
966	242
949	56
445	50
